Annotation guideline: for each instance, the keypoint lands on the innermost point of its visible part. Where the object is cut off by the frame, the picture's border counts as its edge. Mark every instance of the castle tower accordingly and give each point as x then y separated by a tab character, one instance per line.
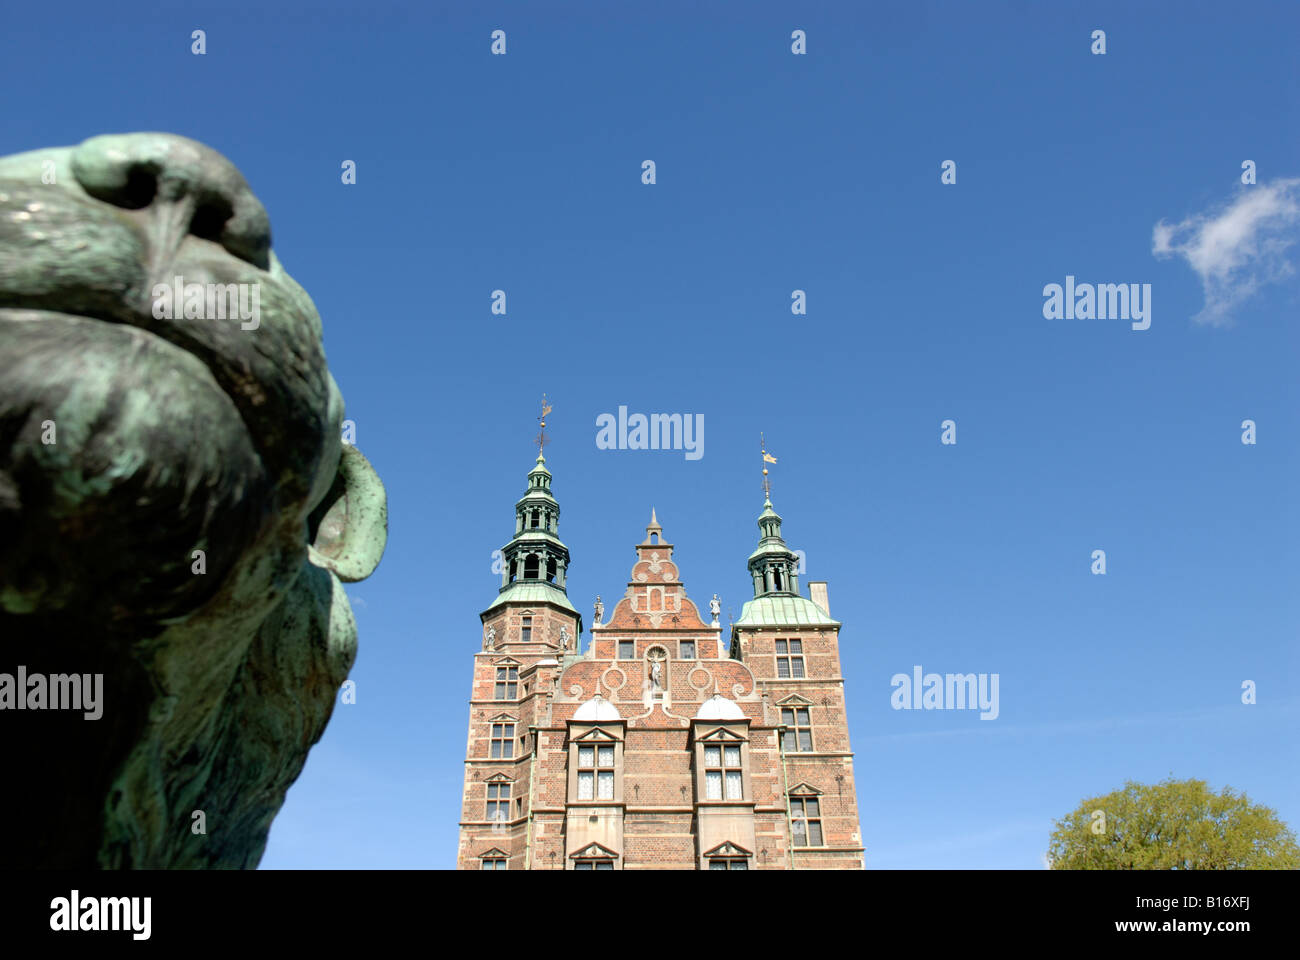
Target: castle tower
526	631
791	644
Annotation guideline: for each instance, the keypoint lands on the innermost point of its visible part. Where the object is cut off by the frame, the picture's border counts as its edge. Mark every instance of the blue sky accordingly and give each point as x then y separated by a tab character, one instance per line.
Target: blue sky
778	172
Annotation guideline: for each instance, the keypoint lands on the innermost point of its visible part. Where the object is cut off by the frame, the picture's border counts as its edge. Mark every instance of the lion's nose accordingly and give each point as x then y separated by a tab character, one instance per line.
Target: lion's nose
187	188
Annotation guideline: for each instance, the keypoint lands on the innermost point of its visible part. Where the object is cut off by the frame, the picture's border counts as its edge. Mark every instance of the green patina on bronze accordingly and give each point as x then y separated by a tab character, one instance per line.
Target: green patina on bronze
170	436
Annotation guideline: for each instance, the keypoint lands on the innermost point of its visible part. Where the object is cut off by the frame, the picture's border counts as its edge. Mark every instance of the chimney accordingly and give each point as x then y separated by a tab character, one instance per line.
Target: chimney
817	593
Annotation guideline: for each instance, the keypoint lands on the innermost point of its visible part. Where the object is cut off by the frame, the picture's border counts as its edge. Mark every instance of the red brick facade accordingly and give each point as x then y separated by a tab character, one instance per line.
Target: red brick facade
599	761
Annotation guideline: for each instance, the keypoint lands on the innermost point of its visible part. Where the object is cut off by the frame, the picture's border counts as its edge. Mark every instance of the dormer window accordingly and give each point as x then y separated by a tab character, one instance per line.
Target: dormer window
596	772
722	772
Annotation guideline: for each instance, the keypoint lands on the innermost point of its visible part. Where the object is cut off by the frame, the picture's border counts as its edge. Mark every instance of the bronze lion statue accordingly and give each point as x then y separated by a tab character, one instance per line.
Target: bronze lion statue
178	511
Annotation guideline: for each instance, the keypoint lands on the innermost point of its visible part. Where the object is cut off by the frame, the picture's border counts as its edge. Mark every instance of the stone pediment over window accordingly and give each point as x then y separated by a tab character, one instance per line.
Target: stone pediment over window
507	662
504	718
804	789
594	851
493	854
728	849
597	734
721	735
794	700
498	778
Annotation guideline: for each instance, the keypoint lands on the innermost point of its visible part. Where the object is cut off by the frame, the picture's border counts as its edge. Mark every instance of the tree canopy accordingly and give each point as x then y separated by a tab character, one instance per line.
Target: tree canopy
1173	825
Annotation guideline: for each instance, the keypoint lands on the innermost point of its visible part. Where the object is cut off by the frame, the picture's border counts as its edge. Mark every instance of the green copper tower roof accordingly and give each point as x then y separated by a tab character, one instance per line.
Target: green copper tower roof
536	561
774	568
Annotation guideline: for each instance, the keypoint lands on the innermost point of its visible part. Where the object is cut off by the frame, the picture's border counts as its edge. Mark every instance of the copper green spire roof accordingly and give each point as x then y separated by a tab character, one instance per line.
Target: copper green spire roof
774	568
536	561
773	565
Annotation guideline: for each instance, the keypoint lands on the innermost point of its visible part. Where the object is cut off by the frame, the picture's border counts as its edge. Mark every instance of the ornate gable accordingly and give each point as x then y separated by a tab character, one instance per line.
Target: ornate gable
655	598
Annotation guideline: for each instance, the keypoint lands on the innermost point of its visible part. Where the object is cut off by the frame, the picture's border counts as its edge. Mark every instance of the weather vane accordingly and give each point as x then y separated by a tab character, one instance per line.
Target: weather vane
541	436
767	458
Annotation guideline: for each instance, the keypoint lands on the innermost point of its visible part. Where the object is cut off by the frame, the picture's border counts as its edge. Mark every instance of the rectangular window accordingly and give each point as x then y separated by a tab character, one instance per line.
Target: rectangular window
737	864
596	771
526	631
494	863
507	683
626	650
688	650
498	801
502	741
723	777
805	821
593	865
798	729
789	658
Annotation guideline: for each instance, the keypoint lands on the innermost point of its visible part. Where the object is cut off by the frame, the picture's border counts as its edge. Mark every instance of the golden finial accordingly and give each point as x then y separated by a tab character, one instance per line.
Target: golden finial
767	458
541	436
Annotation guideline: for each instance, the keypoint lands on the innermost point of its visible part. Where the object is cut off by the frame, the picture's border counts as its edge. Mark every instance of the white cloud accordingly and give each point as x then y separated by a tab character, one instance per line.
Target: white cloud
1238	248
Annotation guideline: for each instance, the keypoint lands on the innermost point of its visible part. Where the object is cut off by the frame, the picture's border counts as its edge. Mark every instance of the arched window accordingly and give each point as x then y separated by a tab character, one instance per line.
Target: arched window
776	578
530	567
550	570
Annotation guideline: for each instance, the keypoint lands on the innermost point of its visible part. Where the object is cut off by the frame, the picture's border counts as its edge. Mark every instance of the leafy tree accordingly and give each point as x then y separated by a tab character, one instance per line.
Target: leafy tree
1174	825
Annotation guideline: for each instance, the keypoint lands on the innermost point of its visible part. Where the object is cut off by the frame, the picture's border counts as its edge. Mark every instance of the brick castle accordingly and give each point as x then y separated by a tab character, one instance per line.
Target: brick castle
658	747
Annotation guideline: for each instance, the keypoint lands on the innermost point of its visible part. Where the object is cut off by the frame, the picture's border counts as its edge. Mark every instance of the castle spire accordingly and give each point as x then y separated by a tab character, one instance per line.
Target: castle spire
773	566
536	561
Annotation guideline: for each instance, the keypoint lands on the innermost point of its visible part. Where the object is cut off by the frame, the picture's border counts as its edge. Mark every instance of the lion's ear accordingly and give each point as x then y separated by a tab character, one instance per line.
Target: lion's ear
351	523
